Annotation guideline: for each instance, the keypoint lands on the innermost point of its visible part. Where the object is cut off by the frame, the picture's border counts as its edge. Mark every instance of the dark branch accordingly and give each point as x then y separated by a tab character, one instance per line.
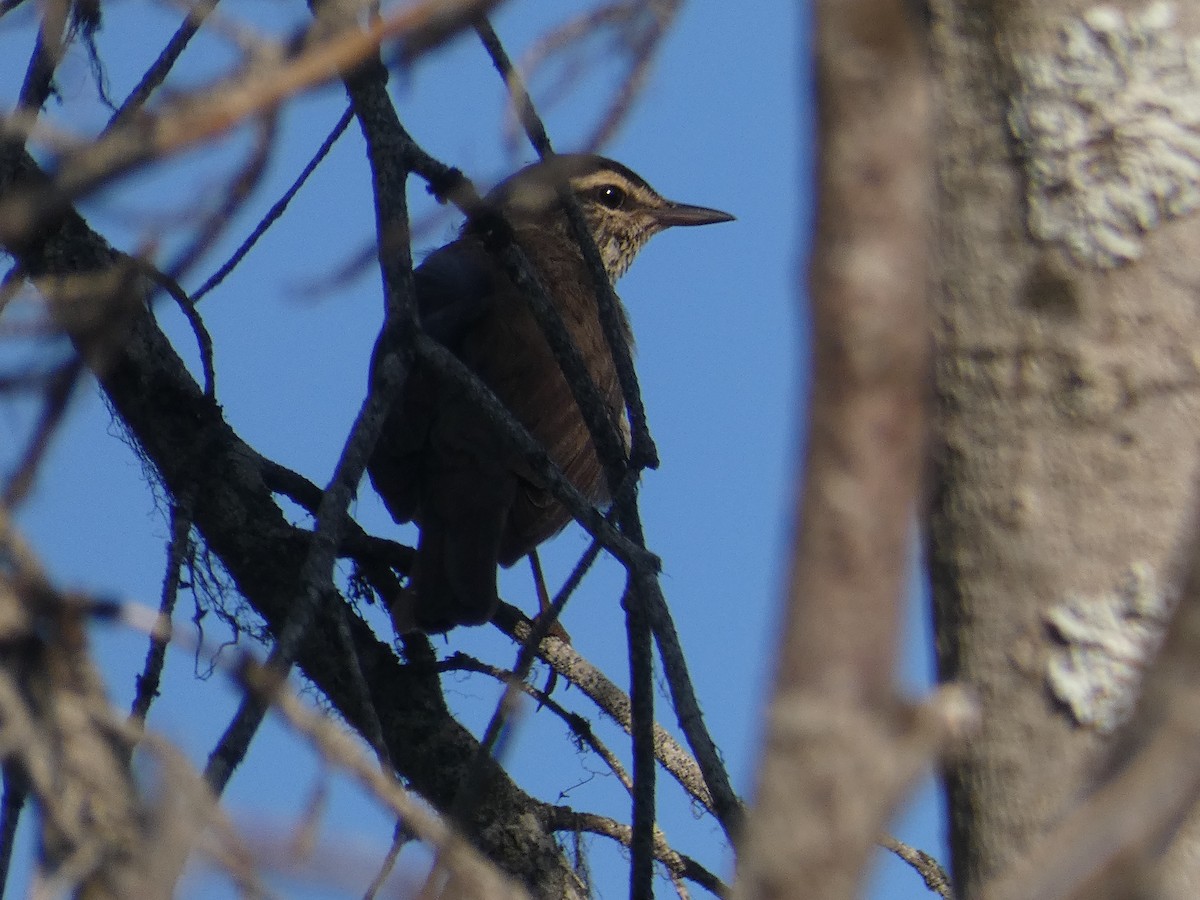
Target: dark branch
567	819
277	209
237	518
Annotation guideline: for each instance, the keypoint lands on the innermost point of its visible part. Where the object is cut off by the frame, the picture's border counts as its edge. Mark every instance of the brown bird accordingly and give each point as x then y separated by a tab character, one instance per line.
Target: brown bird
439	462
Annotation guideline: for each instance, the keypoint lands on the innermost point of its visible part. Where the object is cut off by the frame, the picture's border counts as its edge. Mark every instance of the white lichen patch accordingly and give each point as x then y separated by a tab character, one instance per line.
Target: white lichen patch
1108	640
1109	128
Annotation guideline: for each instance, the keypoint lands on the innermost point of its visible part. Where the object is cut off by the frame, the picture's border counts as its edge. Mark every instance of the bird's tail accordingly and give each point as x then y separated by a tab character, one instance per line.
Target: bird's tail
443	599
455	574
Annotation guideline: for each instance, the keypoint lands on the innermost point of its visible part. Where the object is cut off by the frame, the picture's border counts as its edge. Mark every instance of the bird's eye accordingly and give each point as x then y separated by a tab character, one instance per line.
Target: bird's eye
611	196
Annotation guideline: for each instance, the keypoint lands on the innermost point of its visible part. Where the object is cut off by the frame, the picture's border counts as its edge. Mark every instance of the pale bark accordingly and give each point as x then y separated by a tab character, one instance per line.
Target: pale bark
1068	398
839	747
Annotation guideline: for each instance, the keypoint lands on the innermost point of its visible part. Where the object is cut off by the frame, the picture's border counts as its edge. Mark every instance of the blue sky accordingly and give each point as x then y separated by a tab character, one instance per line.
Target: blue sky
725	121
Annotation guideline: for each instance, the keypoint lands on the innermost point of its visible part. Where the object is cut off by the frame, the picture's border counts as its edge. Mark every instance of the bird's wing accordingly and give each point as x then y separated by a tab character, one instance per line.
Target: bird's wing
455	287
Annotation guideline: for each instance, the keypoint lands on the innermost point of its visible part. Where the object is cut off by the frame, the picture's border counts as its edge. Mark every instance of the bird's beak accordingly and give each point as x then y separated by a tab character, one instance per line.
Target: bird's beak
682	214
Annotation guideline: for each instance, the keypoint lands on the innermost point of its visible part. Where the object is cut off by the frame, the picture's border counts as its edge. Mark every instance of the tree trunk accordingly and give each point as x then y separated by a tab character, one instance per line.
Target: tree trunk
1067	392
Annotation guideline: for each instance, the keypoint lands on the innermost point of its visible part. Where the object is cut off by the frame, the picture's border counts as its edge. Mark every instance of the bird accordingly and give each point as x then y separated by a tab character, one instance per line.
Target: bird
439	462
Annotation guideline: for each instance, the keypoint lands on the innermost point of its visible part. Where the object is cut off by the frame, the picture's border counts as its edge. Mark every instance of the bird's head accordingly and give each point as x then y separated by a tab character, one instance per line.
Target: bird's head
622	210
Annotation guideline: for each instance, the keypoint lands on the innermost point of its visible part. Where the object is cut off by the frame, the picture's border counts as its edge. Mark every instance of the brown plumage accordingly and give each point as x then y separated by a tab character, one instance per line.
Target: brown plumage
439	463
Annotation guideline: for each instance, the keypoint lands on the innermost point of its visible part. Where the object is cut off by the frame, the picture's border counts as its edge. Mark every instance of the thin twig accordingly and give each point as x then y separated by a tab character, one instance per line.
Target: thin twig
611	700
277	209
400	837
147	681
603	431
646	589
159	70
517	93
187	306
676	864
930	870
373	730
577	724
11	806
388	378
469	791
641	56
566	819
338	748
641	694
363	548
220	107
248	176
639	37
61	385
48	47
726	804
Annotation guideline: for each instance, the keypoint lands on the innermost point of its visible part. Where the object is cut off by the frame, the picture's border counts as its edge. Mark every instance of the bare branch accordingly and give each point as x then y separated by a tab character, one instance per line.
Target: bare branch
187	306
58	735
277	209
232	197
637	30
222	106
238	520
578	725
61	385
285	572
316	574
566	819
611	700
473	875
47	50
644	591
157	73
147	682
926	866
840	747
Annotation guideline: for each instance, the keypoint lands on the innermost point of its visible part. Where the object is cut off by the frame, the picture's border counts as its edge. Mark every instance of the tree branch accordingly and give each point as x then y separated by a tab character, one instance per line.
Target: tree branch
220	107
567	819
163	408
839	746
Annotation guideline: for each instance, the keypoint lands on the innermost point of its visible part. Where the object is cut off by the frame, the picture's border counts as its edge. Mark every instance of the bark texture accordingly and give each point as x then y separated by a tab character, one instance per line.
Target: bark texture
1068	400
